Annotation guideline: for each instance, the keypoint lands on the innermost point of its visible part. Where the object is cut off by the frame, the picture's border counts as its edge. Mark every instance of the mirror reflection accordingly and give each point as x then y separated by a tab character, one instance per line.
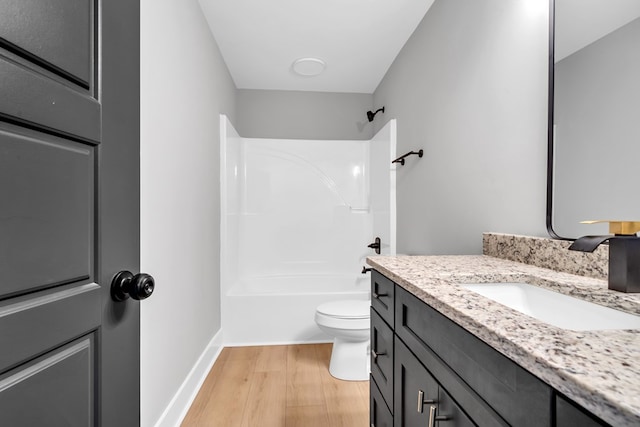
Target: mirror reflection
596	114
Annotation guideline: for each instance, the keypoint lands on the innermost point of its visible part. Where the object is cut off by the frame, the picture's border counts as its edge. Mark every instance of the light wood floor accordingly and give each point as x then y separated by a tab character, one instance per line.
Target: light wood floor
278	386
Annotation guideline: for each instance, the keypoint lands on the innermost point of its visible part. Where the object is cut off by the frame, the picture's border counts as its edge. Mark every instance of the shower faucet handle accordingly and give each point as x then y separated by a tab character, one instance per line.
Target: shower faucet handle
375	245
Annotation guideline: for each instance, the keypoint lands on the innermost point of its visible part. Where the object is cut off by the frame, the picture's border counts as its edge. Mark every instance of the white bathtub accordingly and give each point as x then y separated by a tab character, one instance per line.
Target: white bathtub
301	284
280	309
295	222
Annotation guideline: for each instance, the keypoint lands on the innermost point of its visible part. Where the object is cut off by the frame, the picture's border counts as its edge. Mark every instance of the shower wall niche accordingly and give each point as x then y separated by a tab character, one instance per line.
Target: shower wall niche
297	216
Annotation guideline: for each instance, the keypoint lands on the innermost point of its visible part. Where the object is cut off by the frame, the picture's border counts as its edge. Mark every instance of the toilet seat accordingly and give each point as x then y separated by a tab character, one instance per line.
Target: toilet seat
346	309
345	314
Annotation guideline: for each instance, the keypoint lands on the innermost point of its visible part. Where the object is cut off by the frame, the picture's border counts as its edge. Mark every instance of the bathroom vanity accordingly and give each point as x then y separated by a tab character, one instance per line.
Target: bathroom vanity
443	355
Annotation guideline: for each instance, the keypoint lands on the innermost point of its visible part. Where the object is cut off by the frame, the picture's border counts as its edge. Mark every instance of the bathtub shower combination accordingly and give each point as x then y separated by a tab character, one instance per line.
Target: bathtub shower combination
297	216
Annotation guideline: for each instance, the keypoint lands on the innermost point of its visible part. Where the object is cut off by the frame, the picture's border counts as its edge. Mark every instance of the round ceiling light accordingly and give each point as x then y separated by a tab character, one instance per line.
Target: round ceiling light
308	67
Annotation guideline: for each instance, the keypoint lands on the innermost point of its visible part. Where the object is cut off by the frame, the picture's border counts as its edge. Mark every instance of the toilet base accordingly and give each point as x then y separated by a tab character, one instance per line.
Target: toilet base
350	360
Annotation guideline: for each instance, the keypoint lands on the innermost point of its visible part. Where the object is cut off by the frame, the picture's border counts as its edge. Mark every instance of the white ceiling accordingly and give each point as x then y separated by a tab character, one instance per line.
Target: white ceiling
358	40
581	22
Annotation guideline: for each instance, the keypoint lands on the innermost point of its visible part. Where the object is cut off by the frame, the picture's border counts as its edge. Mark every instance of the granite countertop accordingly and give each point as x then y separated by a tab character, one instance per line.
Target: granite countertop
599	370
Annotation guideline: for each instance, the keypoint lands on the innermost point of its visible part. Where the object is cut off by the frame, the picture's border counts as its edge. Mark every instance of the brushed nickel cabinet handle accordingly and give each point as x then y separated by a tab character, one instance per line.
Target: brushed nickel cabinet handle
375	355
432	417
421	401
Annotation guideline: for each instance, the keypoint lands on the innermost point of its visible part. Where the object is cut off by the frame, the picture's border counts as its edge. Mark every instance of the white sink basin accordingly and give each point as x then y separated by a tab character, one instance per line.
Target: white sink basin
555	308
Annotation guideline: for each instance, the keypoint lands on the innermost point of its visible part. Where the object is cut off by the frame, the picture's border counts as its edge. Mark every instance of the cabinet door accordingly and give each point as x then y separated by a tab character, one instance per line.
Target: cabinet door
416	391
379	414
382	356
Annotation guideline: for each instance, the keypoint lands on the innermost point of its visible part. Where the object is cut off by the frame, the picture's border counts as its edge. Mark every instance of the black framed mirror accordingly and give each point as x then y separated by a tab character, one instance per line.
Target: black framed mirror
593	164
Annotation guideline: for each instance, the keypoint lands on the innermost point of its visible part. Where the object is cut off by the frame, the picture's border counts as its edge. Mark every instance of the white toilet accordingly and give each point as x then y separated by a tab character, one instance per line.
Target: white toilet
348	322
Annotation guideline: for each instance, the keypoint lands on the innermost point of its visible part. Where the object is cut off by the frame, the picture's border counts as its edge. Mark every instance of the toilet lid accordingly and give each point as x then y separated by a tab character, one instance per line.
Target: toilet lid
351	309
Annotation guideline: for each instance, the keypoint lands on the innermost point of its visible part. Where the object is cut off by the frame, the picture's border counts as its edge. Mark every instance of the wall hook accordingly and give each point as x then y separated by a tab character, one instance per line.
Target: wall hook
401	158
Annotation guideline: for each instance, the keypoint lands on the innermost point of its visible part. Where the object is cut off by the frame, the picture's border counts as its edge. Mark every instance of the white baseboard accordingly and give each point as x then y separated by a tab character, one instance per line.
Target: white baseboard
264	343
184	397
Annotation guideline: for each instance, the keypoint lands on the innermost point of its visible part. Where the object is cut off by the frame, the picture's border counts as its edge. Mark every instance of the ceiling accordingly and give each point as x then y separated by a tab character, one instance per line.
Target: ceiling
357	39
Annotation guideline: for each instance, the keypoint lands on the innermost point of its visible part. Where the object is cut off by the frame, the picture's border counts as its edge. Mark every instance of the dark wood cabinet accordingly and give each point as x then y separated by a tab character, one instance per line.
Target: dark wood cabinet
493	389
429	371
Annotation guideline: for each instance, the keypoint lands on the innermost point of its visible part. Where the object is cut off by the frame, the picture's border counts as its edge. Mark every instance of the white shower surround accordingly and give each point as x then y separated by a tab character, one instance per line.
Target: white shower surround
296	219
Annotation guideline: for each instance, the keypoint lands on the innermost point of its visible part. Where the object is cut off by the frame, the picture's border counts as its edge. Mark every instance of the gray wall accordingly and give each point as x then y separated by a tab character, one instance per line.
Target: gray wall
597	116
470	88
304	115
185	85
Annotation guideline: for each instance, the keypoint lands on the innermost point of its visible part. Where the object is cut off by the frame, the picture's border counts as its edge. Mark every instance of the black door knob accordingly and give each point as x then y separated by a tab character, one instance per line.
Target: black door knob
125	285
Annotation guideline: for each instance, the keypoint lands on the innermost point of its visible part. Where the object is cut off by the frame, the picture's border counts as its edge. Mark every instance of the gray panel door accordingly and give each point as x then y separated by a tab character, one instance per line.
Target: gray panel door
69	212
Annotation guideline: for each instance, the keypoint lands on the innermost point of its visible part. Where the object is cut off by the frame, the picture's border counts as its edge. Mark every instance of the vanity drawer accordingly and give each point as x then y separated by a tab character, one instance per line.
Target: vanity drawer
382	357
465	364
382	297
379	414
